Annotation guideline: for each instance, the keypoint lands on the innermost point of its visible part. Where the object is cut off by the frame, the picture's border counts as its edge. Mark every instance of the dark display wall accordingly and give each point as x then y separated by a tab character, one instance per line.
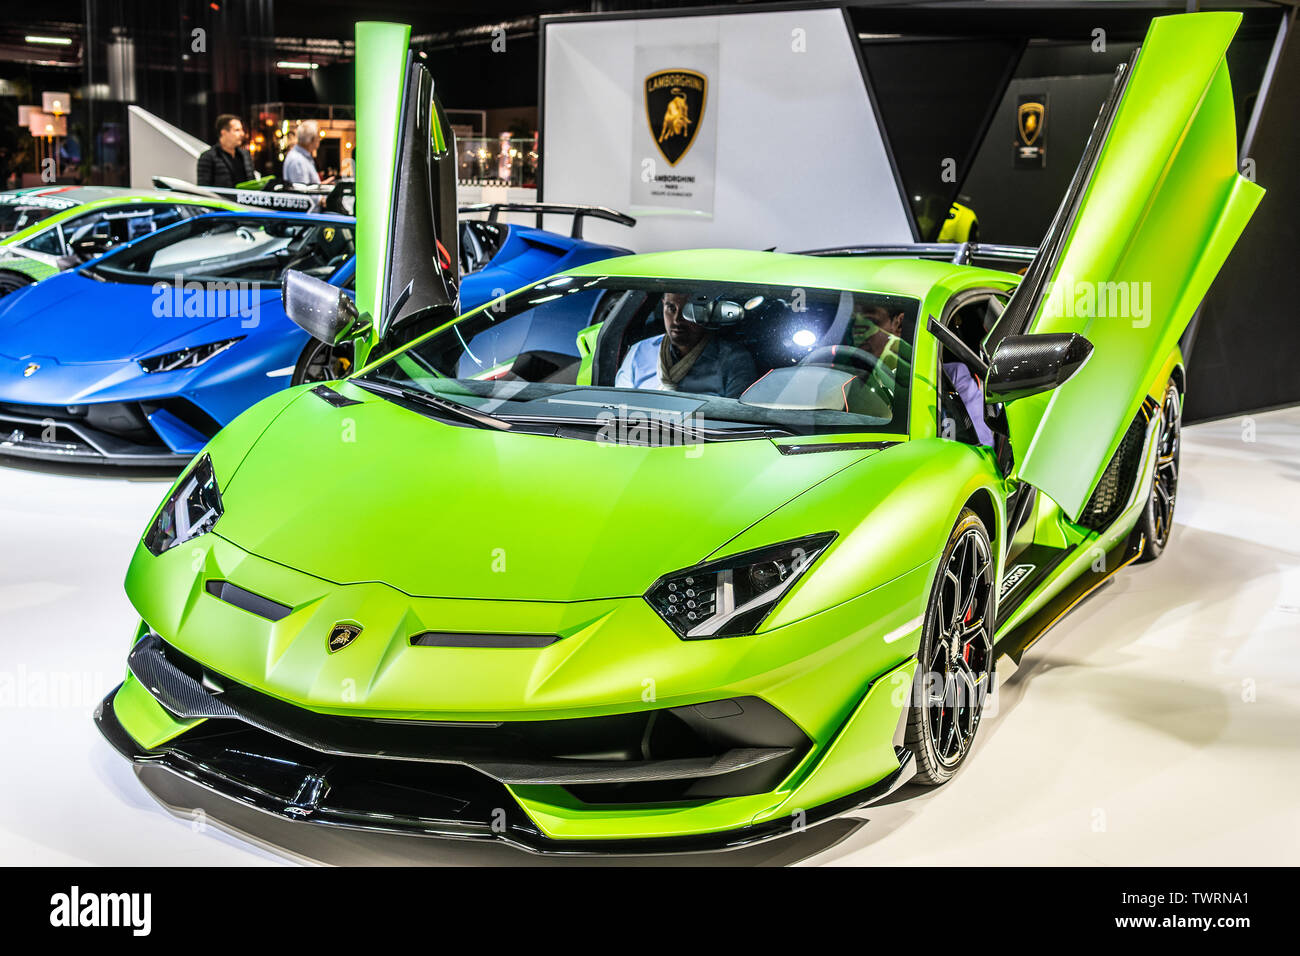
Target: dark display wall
1247	338
947	83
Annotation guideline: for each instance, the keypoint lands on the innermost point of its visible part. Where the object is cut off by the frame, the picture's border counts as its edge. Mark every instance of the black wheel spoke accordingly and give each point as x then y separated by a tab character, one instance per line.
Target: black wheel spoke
961	649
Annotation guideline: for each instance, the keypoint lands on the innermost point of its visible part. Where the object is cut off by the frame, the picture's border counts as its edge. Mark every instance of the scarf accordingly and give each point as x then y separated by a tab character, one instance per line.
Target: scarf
672	372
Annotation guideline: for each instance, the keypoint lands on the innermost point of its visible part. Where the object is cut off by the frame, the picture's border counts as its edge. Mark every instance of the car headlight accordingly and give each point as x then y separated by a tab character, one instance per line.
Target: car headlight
732	596
189	511
186	358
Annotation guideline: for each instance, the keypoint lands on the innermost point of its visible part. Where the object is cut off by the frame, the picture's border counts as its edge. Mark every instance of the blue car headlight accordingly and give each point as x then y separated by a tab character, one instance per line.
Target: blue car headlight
186	358
190	510
732	596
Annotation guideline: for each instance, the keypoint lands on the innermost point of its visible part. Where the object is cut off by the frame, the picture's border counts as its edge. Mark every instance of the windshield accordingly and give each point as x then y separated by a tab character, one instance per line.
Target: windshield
717	356
16	214
226	248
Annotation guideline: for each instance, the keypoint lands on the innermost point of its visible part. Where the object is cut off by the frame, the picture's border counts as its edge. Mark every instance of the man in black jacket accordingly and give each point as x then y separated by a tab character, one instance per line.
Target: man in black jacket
227	163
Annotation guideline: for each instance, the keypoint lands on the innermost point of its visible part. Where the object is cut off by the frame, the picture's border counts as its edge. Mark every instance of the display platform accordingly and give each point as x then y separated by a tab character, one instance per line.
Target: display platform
1180	678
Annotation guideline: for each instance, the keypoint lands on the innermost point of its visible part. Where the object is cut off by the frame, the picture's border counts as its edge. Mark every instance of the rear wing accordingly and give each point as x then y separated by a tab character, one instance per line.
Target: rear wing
542	209
958	253
274	194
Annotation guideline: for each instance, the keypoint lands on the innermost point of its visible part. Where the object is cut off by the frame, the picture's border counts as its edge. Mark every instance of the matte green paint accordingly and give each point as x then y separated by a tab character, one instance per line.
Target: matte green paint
380	69
1163	209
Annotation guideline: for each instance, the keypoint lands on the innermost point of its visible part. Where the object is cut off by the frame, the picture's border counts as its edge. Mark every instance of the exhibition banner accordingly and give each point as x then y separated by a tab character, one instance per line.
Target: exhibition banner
674	145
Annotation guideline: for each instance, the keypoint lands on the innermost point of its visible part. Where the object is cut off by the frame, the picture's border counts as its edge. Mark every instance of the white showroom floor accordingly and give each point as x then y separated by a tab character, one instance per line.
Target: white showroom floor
1159	723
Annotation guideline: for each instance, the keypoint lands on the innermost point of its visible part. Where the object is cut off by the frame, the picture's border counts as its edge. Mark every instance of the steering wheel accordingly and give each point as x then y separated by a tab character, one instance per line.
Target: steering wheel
842	356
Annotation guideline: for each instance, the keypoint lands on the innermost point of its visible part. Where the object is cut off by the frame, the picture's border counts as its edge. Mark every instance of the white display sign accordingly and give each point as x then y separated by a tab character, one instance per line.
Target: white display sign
675	149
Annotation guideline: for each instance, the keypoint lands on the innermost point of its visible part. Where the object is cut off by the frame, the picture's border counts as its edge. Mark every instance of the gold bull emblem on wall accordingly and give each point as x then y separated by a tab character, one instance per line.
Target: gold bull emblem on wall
674	103
677	117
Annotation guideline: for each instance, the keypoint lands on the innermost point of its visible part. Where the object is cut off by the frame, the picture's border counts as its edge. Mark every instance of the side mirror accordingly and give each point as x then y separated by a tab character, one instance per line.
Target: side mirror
324	311
1024	365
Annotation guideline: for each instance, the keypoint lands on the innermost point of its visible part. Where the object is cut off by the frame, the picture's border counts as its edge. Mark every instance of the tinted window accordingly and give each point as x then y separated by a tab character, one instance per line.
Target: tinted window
251	250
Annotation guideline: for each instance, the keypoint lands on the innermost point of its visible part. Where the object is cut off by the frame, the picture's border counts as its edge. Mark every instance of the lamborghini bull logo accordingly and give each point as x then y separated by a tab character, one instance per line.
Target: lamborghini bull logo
341	635
1029	117
677	117
674	104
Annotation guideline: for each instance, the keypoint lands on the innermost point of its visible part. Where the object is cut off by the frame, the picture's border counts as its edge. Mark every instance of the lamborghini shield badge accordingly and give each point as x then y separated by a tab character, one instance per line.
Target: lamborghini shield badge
1152	213
674	106
341	635
1029	119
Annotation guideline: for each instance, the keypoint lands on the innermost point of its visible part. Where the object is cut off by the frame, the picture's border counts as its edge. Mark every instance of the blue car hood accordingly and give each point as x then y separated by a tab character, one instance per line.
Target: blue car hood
82	321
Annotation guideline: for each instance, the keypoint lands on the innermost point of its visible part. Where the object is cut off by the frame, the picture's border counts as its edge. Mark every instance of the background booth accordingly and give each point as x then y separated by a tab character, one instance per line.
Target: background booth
863	123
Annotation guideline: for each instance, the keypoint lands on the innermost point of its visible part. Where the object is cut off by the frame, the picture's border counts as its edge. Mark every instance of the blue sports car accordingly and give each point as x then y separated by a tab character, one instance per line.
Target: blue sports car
140	356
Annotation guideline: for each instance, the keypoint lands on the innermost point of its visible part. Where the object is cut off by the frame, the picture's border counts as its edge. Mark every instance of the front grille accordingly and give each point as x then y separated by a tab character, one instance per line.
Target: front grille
723	748
111	431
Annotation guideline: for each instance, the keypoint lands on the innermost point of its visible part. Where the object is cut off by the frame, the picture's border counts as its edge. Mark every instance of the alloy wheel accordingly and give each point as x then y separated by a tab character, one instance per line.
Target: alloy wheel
1165	486
962	651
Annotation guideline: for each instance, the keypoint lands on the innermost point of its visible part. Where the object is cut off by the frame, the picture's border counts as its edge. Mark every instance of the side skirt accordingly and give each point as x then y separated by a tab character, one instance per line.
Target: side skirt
1022	637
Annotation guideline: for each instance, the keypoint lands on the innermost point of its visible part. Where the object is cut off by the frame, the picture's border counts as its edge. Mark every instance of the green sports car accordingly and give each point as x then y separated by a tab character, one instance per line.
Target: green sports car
683	550
44	230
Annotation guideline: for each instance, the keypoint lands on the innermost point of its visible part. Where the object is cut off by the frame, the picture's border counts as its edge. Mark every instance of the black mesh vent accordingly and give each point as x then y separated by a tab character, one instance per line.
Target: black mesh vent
1117	480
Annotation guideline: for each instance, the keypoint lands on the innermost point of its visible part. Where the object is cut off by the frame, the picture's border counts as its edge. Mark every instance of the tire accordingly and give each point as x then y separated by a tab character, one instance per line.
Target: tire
11	281
322	363
1157	519
955	660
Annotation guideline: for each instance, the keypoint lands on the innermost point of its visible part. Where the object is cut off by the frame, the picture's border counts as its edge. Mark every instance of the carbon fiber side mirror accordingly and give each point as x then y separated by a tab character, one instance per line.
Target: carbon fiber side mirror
1024	365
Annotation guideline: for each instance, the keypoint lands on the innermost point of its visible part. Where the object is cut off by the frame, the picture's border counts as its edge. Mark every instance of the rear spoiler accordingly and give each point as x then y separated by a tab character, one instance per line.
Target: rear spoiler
958	253
288	197
578	212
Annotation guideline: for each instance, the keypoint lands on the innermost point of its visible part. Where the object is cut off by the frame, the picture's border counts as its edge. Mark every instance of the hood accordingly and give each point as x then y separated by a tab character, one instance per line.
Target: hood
82	321
375	492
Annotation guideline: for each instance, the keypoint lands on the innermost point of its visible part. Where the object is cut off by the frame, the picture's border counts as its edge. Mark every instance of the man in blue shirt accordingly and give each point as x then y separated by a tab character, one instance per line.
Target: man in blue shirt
687	357
300	161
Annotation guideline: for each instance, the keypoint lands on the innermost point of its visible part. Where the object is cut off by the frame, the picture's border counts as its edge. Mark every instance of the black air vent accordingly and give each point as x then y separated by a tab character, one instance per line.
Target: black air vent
247	600
450	639
327	394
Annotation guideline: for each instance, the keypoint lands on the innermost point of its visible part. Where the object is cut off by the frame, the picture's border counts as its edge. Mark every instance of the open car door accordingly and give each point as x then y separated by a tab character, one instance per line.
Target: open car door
407	242
1151	214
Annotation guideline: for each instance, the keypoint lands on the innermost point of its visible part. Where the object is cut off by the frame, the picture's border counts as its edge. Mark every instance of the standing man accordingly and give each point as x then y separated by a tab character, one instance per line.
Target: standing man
226	163
300	161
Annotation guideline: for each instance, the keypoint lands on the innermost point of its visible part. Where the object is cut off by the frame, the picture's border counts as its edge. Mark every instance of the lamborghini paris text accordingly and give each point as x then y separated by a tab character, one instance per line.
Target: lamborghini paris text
750	555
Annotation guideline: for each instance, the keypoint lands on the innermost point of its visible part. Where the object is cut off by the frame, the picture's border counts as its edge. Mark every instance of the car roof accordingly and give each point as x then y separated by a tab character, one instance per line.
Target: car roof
901	276
88	194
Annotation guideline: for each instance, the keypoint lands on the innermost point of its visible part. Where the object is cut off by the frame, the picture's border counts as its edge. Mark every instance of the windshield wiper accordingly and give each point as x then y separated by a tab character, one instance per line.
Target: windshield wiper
691	434
431	401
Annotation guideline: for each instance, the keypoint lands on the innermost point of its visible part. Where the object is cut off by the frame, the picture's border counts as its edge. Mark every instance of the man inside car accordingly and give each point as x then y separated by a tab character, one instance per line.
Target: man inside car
687	357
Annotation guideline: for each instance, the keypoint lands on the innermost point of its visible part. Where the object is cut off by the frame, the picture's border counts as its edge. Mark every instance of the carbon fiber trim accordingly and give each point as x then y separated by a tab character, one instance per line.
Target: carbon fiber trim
332	397
177	691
